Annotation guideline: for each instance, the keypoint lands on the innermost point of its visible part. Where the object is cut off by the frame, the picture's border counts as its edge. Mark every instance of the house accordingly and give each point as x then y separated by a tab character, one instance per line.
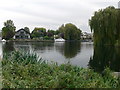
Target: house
22	34
86	36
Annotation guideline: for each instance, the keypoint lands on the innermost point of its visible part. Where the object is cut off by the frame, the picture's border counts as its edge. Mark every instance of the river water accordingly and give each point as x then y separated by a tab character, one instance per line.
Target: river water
82	54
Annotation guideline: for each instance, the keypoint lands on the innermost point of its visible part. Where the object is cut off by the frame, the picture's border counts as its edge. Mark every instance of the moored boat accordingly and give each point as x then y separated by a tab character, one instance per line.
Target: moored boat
59	40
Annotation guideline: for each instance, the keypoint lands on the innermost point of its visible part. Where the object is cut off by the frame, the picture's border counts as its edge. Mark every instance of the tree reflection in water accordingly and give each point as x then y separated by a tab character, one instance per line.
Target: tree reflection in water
68	49
42	46
105	56
71	49
8	47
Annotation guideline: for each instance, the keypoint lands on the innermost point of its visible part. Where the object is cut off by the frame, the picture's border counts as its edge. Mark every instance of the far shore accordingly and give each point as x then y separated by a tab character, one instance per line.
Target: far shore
35	40
30	40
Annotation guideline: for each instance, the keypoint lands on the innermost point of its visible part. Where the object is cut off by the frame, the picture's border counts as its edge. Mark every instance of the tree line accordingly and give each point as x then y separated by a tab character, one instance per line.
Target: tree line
68	32
105	24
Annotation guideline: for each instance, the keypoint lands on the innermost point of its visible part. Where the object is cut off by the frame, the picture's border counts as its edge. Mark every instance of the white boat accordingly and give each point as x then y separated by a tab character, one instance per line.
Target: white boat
3	40
60	40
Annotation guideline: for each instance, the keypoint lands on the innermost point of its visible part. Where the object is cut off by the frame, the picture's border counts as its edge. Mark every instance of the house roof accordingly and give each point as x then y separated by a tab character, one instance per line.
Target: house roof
23	30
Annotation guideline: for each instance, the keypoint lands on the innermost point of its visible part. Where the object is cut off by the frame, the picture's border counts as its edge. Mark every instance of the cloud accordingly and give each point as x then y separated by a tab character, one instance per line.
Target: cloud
51	13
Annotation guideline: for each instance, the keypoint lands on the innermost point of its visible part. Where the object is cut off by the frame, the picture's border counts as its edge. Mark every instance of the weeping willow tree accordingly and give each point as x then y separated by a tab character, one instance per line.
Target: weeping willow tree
118	28
104	25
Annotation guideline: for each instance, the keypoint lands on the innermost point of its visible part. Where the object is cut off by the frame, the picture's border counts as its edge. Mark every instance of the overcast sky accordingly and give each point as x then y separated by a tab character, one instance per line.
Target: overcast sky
51	13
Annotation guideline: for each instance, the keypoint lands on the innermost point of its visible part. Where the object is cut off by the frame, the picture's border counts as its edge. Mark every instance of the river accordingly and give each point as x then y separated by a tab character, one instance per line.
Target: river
82	54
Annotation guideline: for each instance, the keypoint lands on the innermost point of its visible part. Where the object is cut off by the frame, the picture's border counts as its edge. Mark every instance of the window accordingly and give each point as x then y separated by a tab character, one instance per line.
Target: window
21	32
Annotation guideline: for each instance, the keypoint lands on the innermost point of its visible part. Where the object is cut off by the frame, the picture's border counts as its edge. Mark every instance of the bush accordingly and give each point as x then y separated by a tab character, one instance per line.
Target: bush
26	70
48	38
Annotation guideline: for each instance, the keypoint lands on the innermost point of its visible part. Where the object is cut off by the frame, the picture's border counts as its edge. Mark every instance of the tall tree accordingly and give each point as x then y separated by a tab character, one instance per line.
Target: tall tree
69	32
72	32
118	27
103	24
62	31
8	30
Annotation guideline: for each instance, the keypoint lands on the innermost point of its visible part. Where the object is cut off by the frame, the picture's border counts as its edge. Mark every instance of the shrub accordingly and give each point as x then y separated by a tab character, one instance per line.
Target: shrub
26	70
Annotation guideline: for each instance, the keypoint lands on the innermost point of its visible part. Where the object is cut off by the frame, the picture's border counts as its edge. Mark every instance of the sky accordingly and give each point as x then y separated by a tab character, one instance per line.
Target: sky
51	14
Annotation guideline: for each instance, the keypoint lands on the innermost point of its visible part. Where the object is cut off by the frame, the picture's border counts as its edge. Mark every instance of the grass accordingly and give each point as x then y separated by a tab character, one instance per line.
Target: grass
25	70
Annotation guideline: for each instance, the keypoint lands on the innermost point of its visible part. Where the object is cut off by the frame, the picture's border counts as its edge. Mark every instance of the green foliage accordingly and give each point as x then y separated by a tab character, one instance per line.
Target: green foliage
104	24
41	32
48	38
52	32
62	29
57	32
105	56
38	32
70	31
25	70
8	30
71	49
118	28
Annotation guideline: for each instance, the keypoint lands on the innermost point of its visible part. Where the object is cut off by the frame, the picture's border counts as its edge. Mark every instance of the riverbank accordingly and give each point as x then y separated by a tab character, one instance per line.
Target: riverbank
37	40
30	40
25	70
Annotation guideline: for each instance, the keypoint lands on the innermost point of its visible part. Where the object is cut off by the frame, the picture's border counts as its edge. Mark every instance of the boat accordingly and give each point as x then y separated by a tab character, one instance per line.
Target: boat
3	40
59	40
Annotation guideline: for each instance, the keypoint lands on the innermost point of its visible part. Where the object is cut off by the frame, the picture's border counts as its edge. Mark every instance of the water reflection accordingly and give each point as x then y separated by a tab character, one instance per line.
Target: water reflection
1	50
105	57
60	52
42	46
76	53
33	46
8	47
68	49
71	49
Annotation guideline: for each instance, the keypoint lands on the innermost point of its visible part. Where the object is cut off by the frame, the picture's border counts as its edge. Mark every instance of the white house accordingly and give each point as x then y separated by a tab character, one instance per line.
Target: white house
86	35
22	34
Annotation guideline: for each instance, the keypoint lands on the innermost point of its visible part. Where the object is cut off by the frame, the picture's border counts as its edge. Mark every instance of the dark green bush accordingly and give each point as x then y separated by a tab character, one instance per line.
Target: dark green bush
48	38
25	70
